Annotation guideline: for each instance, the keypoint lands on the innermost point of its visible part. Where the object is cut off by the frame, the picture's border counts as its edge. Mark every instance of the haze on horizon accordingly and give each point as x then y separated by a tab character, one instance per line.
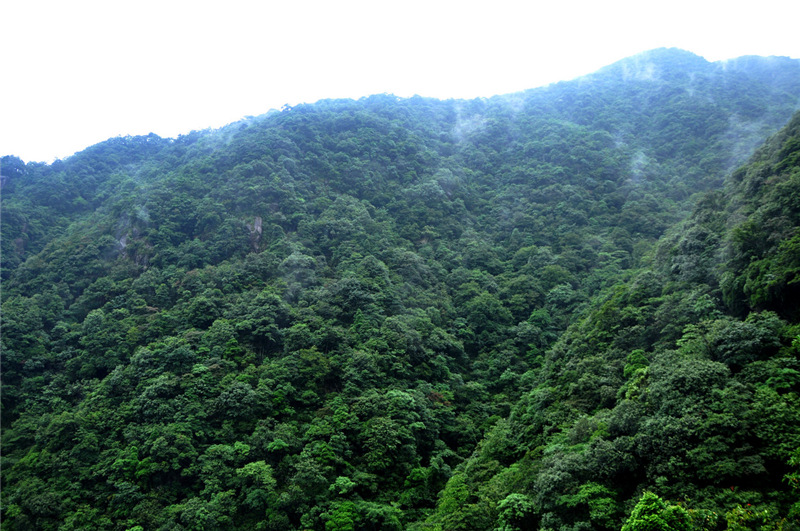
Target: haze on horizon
78	73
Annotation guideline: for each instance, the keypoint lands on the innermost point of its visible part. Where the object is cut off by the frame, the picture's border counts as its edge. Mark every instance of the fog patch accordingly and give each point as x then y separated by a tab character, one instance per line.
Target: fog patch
639	162
141	214
515	103
742	137
638	70
690	89
466	125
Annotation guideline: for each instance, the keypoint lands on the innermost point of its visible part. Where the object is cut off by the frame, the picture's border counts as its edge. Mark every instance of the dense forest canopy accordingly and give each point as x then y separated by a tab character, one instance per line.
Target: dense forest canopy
569	308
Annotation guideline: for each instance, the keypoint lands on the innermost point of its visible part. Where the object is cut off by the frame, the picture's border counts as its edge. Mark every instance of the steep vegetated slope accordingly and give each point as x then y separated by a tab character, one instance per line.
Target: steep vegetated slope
683	380
391	313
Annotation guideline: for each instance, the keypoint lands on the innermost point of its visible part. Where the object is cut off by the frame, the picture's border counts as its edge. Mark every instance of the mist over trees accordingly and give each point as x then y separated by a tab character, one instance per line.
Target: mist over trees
573	307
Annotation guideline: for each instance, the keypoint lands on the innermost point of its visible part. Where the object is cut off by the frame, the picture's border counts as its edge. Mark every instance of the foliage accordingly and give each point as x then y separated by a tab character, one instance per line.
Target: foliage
408	313
653	514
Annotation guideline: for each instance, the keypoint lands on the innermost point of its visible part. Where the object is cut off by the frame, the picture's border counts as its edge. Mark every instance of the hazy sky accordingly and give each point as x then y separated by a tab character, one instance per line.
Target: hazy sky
76	72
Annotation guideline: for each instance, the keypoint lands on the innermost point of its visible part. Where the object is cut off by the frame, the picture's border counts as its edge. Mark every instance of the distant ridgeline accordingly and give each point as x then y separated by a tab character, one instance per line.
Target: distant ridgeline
568	308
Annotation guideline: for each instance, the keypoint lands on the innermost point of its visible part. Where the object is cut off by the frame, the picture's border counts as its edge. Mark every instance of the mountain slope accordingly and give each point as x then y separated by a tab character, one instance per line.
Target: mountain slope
313	318
684	380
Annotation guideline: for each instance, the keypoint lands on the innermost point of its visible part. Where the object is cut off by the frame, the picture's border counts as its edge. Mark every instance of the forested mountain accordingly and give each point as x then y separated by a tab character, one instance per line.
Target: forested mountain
520	312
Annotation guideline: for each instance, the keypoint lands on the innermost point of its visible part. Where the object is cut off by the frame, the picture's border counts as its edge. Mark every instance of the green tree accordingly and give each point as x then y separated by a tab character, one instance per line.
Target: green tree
653	514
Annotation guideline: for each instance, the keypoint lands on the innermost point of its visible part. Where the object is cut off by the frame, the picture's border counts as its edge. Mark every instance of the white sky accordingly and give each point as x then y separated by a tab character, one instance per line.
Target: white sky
76	72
